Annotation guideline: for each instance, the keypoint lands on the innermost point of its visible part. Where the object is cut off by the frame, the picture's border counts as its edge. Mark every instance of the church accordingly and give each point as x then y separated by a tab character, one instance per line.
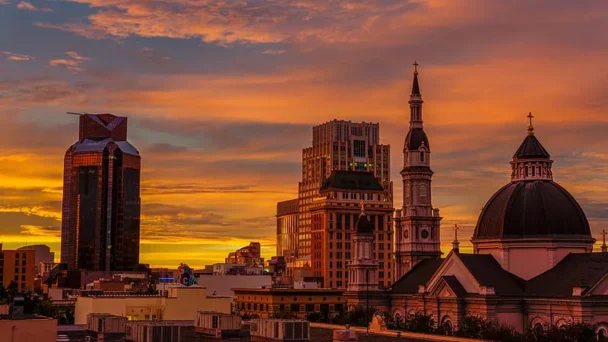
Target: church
532	265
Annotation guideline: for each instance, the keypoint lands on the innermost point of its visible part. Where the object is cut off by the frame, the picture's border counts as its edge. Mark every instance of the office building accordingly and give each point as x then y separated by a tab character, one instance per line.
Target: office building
334	216
338	145
44	257
101	197
287	228
248	255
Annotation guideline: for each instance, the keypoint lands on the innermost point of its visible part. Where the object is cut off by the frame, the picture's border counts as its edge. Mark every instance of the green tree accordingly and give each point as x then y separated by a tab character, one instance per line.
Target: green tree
420	323
359	316
283	315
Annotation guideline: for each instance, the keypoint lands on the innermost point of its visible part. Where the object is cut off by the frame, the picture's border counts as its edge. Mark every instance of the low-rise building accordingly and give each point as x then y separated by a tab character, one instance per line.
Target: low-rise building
180	303
249	255
221	285
267	302
29	328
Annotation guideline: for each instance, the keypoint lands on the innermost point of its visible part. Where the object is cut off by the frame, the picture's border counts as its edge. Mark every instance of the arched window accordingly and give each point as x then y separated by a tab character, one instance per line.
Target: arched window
422	156
602	335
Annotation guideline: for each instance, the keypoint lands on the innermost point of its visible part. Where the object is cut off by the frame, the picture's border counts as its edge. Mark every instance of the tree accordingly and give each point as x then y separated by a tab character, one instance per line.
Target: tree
283	315
359	316
419	323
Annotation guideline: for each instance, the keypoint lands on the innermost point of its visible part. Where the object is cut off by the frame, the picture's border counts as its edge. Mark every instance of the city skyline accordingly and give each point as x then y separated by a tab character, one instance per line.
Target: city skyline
207	108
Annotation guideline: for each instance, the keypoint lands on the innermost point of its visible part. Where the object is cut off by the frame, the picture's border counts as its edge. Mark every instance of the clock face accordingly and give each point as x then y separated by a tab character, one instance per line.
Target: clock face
424	234
406	234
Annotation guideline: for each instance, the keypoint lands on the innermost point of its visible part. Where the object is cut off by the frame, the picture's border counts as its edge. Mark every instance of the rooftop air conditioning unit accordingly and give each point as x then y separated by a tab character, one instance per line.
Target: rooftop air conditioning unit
279	330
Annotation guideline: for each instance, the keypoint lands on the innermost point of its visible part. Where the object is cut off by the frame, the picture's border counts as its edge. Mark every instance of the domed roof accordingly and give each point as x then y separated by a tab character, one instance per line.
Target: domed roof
531	148
532	208
415	137
363	225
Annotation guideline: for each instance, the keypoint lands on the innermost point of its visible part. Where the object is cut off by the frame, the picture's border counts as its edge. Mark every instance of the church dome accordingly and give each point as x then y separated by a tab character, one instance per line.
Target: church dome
532	205
363	225
532	209
415	138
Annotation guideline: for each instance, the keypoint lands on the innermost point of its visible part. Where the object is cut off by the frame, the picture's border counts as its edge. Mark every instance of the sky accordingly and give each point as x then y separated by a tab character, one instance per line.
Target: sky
222	96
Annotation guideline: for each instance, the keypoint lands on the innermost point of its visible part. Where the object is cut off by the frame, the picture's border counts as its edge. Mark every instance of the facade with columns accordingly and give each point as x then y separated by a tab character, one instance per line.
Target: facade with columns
533	263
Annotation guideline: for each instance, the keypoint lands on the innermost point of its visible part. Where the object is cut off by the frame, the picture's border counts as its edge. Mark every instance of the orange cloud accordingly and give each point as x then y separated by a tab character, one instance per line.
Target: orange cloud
24	5
16	57
73	64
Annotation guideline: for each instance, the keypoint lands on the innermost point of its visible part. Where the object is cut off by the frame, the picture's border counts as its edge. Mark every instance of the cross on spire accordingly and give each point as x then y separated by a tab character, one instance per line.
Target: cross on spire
530	127
415	68
604	236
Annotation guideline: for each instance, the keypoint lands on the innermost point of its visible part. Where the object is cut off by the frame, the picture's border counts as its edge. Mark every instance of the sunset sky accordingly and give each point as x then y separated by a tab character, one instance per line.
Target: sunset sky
221	97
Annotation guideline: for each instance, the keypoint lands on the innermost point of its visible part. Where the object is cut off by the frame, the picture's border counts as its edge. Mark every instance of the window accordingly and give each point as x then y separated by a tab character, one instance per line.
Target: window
422	156
422	193
359	148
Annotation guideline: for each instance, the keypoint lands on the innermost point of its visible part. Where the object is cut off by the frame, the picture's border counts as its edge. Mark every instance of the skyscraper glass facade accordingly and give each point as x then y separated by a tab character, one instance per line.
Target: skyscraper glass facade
101	197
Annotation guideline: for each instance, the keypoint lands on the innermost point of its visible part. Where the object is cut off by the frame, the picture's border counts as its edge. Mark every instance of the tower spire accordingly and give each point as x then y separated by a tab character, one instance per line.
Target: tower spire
456	243
415	86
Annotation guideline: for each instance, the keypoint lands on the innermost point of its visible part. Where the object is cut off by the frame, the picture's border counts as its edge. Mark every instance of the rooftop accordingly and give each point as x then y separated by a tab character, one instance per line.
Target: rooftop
351	180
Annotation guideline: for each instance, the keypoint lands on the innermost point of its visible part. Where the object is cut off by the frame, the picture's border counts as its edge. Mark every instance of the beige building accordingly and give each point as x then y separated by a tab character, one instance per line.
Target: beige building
338	145
334	216
39	329
18	266
181	303
300	302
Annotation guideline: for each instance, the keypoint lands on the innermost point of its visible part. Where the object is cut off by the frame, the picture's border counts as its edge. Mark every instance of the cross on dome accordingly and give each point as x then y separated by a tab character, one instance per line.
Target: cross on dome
530	127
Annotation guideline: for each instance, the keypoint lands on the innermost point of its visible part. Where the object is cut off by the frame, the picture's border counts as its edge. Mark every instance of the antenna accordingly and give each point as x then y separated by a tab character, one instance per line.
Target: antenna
79	114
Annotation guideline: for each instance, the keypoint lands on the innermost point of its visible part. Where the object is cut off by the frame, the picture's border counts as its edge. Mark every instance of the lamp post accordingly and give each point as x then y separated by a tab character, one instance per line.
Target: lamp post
367	302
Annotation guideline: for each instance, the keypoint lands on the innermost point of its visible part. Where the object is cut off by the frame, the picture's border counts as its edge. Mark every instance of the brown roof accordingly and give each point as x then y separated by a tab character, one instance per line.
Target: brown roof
455	285
352	180
418	275
575	270
531	148
536	208
488	272
415	137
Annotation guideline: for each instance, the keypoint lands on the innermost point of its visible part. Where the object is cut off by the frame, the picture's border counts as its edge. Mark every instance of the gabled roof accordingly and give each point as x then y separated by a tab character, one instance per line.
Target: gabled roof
351	180
420	274
575	270
483	267
454	285
488	272
531	148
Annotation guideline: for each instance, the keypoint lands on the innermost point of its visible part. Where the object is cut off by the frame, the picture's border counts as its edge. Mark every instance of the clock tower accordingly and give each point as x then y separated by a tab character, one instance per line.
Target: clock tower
417	223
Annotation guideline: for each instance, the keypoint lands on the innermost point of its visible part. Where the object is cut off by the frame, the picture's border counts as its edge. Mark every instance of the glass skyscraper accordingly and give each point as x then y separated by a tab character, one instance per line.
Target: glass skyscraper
101	201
